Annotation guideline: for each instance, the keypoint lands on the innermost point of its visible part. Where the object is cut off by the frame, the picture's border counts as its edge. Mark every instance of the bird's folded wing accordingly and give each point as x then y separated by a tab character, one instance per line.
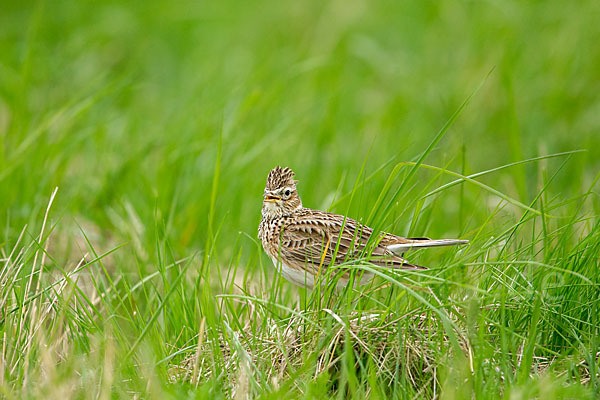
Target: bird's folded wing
318	238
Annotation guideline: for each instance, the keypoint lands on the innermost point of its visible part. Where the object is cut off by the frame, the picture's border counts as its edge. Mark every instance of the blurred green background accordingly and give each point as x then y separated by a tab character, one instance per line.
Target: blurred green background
159	121
123	103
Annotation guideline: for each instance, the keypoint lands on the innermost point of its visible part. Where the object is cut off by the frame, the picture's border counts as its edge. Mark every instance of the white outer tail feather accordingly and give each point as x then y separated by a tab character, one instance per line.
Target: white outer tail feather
419	244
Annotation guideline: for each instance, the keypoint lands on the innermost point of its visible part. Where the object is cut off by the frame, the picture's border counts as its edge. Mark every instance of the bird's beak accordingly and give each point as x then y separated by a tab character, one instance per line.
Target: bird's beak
272	199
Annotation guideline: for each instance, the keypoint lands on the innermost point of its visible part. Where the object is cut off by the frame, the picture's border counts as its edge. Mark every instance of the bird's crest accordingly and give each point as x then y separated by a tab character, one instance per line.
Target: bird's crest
280	177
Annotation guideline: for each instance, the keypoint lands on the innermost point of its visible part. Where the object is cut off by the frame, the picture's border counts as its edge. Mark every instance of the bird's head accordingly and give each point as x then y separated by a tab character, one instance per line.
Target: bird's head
280	197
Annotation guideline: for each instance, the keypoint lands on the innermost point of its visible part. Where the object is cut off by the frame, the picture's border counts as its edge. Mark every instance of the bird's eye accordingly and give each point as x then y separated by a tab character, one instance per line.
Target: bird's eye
287	192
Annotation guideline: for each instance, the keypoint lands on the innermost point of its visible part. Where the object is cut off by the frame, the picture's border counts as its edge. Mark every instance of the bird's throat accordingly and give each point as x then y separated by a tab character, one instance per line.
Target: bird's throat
272	211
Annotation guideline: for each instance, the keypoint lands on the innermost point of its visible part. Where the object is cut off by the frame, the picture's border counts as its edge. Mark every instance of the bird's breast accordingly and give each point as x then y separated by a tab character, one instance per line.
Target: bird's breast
300	277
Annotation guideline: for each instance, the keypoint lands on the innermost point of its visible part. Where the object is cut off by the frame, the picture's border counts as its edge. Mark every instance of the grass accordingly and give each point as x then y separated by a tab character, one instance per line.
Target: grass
135	139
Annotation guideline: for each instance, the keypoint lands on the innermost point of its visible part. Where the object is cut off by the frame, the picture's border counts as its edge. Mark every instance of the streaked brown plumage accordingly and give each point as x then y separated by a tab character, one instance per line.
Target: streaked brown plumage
302	242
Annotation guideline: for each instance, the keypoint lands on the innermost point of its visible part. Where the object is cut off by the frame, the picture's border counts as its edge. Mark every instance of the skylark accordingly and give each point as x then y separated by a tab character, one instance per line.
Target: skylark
303	243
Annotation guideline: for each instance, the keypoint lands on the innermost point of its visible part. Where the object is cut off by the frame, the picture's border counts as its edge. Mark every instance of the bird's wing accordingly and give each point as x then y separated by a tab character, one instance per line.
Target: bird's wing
312	237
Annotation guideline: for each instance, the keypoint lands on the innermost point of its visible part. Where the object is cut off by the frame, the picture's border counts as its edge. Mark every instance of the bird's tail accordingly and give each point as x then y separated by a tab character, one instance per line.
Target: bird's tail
419	243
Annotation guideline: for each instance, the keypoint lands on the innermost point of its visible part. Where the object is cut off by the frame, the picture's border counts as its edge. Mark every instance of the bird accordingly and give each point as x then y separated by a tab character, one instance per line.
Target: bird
304	243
